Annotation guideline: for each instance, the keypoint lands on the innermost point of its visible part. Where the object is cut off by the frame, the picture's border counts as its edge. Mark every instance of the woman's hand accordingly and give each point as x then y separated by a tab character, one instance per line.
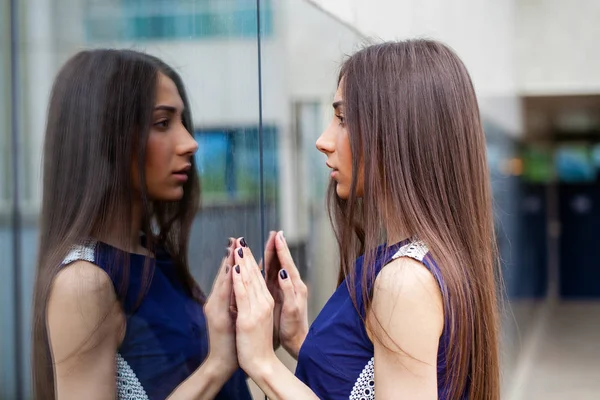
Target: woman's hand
221	363
219	318
254	333
272	268
254	324
289	292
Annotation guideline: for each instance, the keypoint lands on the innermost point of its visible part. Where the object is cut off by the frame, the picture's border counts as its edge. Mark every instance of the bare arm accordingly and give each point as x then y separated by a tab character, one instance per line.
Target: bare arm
204	384
86	326
405	323
279	383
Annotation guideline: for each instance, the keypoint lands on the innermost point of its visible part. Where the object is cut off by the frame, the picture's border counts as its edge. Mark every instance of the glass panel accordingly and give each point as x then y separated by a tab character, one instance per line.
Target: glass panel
300	61
7	292
154	20
212	44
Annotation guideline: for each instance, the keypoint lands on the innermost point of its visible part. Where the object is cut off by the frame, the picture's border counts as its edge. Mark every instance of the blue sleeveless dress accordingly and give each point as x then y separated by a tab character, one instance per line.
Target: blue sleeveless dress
166	337
336	359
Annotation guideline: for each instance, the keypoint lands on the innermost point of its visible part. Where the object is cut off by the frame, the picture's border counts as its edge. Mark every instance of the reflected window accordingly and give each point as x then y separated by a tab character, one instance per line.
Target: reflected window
125	20
5	178
229	164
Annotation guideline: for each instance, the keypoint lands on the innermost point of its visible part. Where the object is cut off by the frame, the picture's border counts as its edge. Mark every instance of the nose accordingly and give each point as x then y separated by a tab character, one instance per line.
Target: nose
325	143
187	145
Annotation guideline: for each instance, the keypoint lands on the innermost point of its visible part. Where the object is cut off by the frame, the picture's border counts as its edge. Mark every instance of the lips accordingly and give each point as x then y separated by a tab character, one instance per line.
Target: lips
334	171
184	170
181	175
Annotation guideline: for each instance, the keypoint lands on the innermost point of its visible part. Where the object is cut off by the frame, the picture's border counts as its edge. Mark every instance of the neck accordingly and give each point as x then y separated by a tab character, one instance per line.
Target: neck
395	237
128	241
395	230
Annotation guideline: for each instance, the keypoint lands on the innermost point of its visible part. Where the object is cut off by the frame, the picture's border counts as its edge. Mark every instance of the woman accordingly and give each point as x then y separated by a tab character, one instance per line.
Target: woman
415	314
117	312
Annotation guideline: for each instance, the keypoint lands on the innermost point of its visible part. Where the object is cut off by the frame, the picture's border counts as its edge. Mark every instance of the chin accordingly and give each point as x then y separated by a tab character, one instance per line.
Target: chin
174	195
342	192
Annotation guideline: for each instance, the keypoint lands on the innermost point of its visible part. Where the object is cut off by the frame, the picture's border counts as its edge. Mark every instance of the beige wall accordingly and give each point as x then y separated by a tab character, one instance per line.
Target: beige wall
481	32
558	48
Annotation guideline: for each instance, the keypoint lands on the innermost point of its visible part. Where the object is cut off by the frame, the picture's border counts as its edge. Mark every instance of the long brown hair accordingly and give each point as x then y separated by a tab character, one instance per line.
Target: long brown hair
411	107
99	119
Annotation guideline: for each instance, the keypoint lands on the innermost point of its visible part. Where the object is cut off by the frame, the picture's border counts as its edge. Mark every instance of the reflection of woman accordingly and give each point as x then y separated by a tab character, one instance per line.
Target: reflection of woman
117	312
415	315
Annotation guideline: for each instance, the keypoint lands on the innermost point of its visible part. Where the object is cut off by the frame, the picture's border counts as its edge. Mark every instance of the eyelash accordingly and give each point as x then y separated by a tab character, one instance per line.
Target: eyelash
162	124
342	119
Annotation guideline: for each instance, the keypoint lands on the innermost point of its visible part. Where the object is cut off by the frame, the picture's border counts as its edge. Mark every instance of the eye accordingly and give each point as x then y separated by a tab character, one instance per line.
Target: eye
341	118
162	124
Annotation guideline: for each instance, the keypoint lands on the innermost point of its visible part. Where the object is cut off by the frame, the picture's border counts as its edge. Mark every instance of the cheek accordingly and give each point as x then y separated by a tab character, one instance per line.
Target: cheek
344	150
155	149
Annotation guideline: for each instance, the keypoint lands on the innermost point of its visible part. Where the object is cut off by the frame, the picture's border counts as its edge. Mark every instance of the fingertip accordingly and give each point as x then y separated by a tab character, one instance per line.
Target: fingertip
231	241
237	283
281	239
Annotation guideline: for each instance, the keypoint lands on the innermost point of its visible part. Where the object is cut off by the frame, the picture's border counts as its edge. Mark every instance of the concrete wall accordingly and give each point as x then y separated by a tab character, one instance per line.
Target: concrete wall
481	32
557	50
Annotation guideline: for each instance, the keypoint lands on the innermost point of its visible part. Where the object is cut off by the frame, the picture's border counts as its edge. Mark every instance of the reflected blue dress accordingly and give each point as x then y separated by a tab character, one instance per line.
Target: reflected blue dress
336	359
166	337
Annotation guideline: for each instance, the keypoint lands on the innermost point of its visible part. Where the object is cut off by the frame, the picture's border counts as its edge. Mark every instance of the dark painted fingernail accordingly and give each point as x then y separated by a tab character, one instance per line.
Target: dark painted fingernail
227	269
237	269
227	253
243	242
283	273
241	253
229	242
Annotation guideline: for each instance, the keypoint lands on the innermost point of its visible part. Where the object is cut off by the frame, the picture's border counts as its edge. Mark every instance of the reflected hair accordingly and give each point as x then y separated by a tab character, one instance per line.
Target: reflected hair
99	119
411	107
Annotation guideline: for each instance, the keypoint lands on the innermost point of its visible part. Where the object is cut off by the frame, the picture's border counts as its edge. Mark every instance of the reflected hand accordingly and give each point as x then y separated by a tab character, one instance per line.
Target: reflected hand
254	334
289	293
272	268
219	318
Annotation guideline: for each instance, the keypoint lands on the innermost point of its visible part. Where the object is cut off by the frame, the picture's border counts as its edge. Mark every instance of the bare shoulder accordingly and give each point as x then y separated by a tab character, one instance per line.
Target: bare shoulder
405	323
82	274
82	284
407	279
405	290
82	309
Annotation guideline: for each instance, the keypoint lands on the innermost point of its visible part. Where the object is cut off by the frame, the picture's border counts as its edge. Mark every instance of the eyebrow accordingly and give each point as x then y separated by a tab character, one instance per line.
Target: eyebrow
337	104
170	109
